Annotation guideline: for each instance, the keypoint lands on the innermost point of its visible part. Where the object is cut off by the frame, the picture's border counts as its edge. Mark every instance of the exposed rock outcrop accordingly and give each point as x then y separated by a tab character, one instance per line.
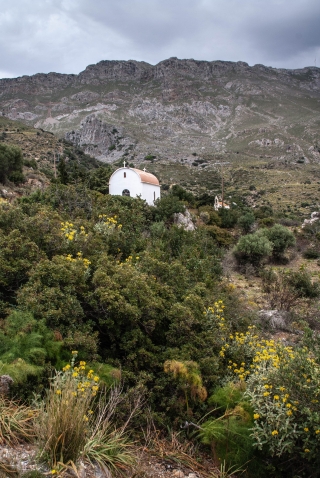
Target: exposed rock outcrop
315	216
173	108
5	382
99	139
184	220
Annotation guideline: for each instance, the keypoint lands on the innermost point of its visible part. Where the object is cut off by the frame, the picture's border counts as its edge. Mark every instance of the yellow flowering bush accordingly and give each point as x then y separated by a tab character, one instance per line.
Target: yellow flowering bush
107	225
284	391
215	318
71	232
79	259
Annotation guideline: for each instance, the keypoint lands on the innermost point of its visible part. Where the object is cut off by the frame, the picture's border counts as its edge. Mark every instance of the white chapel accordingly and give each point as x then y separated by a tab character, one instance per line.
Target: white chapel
133	182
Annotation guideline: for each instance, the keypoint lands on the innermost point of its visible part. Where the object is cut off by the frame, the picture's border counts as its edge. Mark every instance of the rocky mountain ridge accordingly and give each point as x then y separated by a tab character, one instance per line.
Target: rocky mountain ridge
175	110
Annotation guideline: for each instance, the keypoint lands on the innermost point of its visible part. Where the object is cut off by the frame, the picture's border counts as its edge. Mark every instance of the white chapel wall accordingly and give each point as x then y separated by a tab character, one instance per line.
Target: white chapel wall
125	178
150	192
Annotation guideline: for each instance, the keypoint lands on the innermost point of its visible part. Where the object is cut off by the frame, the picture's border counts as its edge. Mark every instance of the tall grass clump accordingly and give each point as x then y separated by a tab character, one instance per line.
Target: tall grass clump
62	426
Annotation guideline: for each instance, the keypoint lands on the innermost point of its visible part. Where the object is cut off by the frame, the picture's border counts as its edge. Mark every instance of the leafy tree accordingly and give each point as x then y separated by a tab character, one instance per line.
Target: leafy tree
11	162
99	179
62	170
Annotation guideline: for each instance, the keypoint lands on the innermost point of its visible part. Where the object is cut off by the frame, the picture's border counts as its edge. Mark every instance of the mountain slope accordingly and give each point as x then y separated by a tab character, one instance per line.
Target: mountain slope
129	109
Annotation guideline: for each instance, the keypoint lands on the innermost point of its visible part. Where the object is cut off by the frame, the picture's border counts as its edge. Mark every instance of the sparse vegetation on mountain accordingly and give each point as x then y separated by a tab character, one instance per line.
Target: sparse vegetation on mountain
156	311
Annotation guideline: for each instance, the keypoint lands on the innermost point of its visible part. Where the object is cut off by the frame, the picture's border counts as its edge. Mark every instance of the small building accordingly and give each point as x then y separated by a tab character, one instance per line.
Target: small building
219	204
133	182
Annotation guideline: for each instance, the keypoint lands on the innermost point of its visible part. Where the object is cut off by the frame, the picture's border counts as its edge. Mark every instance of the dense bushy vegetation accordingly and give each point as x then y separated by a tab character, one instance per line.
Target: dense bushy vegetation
145	302
11	162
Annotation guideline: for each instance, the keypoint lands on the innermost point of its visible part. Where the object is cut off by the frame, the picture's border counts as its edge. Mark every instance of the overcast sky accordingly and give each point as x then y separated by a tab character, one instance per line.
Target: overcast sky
39	36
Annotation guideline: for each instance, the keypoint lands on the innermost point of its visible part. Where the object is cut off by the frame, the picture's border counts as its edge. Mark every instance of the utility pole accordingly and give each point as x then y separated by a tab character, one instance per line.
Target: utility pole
222	181
54	165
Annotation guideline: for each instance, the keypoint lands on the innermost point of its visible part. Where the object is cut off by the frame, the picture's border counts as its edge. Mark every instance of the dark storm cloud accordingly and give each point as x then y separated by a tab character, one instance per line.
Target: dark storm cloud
291	29
67	35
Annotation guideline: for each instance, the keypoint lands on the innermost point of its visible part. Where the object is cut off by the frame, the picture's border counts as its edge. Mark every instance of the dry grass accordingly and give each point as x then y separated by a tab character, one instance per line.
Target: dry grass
16	422
176	450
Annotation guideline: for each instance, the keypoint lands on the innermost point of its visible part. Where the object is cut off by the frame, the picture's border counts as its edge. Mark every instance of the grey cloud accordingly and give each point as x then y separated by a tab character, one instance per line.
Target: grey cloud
67	35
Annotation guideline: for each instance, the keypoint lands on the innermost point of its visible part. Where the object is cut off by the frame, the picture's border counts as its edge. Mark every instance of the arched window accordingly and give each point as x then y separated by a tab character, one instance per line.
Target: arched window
154	195
126	192
124	175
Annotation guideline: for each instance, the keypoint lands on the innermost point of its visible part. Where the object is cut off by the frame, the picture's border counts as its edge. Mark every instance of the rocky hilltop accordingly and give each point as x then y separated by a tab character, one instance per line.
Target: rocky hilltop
176	110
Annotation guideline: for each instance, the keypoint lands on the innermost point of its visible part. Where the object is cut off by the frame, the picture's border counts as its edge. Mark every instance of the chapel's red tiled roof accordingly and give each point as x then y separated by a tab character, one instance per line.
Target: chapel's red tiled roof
147	177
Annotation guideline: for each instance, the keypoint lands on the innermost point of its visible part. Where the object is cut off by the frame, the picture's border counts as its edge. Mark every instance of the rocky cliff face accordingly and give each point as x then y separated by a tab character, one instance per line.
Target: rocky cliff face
129	109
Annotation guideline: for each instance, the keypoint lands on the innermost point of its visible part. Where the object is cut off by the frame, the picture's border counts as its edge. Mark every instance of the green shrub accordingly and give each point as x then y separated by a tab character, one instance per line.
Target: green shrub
280	237
266	222
229	433
253	249
214	218
99	179
166	207
302	282
182	194
23	337
226	397
311	253
228	217
222	237
246	222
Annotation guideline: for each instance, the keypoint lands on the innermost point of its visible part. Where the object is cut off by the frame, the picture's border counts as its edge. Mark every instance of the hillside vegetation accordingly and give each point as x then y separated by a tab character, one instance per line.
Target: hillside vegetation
122	331
120	321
